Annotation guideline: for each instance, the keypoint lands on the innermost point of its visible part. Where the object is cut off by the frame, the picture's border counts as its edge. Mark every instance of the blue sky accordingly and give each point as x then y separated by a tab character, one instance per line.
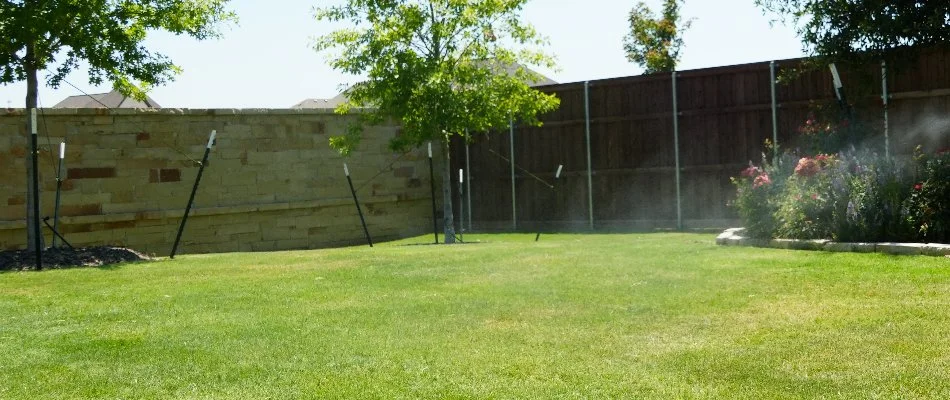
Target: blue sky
266	61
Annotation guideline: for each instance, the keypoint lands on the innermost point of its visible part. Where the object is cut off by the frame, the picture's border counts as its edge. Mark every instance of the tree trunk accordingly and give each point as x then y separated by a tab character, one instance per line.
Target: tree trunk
447	220
32	95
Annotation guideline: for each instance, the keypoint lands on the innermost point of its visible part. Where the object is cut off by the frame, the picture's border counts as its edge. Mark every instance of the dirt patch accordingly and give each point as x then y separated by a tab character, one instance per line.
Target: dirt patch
21	260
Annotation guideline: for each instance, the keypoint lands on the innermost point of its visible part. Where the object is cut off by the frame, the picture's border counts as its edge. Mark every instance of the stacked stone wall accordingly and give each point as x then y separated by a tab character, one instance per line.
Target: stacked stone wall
272	181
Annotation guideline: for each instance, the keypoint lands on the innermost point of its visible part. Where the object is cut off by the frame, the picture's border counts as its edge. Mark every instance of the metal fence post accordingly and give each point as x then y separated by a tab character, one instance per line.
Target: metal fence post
590	171
461	207
774	110
514	204
676	155
468	182
435	222
885	97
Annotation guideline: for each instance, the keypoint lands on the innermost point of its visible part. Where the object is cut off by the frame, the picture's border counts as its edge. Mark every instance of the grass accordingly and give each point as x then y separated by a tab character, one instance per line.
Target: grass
572	316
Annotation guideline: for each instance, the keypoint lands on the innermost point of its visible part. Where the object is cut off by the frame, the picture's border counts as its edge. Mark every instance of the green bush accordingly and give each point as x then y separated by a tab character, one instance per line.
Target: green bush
754	201
928	205
870	190
757	189
805	205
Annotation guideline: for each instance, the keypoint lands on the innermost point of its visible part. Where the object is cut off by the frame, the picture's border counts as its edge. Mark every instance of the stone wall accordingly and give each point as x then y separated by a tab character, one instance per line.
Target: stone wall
272	182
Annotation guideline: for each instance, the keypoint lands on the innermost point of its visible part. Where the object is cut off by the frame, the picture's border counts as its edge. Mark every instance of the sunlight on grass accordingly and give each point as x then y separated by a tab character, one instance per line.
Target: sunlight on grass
572	316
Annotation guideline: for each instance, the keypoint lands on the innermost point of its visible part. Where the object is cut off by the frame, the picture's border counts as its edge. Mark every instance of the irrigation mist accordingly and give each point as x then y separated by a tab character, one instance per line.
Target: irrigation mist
930	129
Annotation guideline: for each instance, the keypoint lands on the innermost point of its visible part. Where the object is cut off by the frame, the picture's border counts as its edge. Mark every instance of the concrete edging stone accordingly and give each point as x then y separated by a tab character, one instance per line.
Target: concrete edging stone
733	237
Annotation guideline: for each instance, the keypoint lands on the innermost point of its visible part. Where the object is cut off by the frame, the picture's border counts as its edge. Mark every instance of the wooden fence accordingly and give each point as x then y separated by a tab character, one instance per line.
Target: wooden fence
627	179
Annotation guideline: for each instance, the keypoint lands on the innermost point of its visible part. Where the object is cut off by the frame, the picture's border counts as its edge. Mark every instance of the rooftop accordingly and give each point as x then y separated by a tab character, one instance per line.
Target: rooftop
113	99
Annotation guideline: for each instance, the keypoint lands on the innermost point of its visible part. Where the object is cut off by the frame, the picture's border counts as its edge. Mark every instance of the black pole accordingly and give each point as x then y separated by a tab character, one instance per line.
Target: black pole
557	175
56	233
191	200
435	223
357	202
59	191
37	239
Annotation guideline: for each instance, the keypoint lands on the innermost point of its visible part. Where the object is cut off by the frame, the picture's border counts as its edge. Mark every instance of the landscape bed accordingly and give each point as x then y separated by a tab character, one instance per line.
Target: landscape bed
64	257
572	316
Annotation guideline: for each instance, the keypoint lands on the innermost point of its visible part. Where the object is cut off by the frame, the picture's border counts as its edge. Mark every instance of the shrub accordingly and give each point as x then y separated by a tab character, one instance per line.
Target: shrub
829	130
826	131
753	201
757	188
850	196
928	205
805	206
870	190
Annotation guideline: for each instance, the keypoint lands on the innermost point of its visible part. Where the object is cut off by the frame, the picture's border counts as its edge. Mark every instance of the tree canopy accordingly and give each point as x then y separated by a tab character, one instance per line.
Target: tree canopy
440	68
848	29
107	35
655	42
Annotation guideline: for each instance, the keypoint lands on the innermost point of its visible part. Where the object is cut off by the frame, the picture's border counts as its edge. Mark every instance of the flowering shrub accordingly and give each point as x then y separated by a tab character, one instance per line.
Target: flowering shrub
756	191
753	200
849	196
805	205
818	135
808	167
928	205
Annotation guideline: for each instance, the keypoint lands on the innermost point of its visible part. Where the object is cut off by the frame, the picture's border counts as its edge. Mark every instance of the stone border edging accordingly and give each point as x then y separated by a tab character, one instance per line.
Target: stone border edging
732	237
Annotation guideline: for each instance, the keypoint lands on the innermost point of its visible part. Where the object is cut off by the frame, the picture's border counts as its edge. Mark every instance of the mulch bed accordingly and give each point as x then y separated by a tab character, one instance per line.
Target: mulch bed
55	258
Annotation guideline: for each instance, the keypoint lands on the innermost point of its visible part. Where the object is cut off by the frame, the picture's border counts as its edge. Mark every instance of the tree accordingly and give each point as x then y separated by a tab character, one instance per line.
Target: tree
107	35
653	42
861	29
440	68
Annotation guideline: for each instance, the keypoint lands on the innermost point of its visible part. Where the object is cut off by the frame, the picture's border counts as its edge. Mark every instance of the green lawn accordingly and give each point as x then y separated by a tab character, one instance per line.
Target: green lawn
572	316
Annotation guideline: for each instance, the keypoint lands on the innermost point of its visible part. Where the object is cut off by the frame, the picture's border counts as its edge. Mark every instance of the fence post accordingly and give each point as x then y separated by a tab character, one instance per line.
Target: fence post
468	182
435	222
514	204
590	171
774	111
676	156
885	96
35	180
461	207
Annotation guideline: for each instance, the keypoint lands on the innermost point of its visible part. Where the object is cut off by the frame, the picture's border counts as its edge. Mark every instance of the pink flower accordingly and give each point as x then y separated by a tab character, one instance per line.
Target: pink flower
814	196
750	172
919	186
807	167
761	180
